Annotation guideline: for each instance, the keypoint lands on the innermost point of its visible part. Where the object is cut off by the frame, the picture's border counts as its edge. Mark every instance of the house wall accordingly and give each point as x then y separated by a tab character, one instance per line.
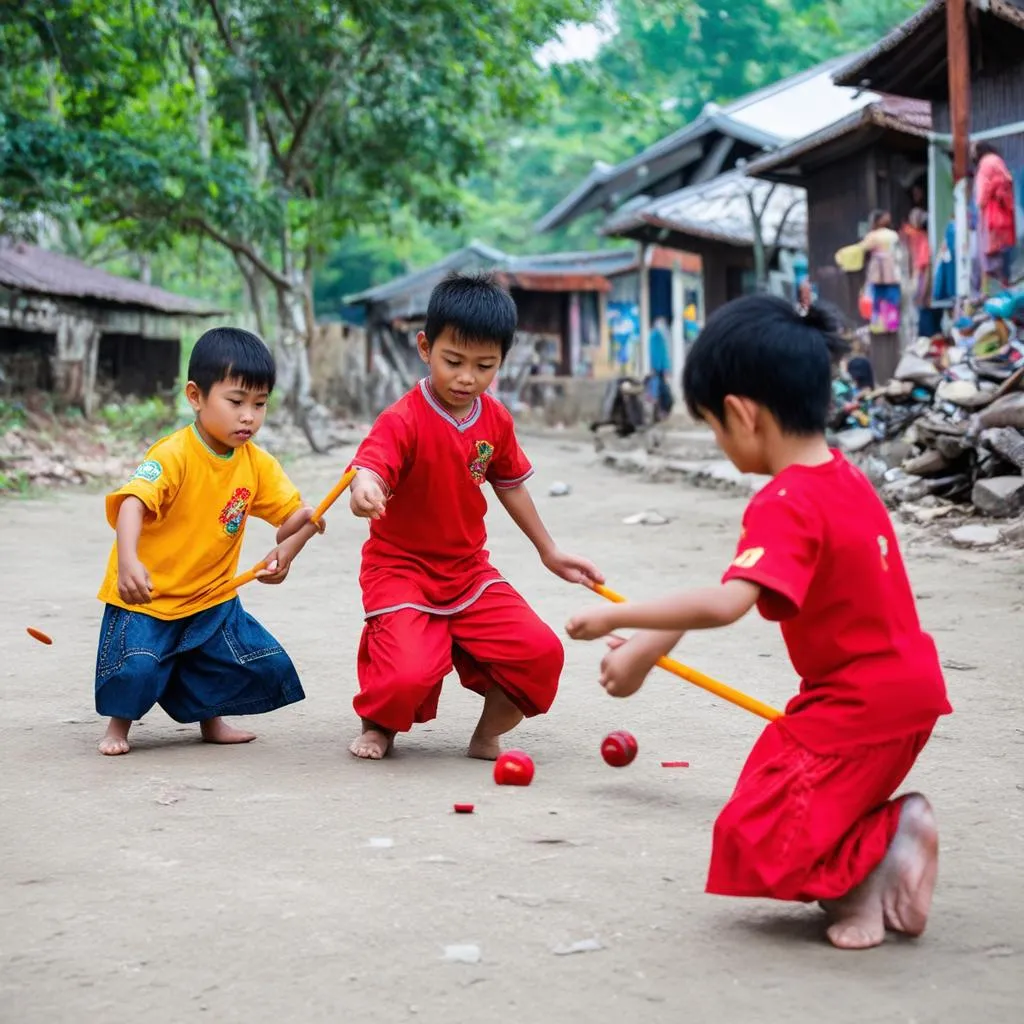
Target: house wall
996	99
26	361
130	365
840	198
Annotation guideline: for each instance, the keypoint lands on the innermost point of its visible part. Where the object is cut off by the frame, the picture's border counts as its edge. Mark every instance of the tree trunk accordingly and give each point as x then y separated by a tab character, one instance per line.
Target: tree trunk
254	292
293	373
201	83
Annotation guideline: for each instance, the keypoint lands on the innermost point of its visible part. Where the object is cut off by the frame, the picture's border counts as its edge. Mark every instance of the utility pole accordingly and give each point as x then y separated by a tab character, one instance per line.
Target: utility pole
958	56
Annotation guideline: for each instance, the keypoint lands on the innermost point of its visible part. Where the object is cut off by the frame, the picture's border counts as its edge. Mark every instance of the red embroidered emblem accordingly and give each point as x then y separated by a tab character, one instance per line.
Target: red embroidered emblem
233	514
479	460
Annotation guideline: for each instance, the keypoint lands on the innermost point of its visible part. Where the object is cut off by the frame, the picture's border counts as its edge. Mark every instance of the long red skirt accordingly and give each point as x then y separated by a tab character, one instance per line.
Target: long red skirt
807	826
499	640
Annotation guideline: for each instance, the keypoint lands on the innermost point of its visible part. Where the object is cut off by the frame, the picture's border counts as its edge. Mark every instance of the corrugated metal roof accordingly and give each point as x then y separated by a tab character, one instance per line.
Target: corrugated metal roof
800	105
476	255
718	210
407	296
28	268
778	113
883	66
912	117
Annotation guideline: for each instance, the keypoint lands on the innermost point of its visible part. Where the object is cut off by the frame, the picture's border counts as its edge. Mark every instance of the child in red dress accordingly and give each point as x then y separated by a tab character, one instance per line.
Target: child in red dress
431	597
811	817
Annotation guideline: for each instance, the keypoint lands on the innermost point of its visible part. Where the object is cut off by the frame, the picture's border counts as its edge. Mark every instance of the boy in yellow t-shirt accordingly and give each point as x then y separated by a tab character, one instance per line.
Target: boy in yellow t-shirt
168	636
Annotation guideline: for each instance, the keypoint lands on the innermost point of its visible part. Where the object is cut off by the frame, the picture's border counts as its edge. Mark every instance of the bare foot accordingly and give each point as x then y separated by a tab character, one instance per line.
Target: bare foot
498	717
914	856
216	730
373	744
115	739
898	893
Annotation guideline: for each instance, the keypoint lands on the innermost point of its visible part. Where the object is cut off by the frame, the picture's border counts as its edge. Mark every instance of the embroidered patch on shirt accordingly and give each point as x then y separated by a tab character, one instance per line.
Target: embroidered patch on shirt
483	452
149	471
749	558
233	514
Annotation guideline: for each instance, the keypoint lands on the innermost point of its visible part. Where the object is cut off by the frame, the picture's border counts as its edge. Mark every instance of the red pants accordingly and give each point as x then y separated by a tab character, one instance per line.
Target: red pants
497	641
807	826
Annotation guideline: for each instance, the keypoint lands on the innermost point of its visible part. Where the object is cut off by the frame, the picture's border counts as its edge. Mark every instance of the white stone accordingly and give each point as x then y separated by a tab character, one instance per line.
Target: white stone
976	536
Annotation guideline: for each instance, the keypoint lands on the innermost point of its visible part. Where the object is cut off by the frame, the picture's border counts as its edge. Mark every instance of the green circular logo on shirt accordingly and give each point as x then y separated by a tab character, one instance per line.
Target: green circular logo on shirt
150	470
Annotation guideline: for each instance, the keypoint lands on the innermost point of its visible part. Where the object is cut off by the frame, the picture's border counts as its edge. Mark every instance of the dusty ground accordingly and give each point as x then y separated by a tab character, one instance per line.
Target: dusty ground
242	882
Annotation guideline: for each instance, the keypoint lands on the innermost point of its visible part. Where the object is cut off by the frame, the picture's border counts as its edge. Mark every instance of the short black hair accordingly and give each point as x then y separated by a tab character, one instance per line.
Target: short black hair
762	348
985	149
475	308
229	353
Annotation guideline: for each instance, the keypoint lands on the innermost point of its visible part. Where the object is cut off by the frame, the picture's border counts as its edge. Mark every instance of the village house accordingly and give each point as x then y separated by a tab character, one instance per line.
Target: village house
689	191
77	331
875	158
566	303
912	61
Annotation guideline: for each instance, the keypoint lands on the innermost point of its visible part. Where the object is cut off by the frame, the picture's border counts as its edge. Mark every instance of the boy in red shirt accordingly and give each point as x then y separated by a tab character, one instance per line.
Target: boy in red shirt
811	817
431	597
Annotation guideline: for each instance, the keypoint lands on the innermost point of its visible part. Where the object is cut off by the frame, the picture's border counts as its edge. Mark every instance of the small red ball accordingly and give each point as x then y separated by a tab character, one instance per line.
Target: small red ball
513	768
619	748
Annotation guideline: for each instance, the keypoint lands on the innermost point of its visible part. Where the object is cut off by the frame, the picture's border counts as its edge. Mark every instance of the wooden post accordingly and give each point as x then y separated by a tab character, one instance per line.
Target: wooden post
678	336
605	336
959	84
958	56
644	354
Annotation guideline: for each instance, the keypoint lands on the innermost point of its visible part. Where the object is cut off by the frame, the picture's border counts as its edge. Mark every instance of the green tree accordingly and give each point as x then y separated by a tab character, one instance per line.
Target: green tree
269	129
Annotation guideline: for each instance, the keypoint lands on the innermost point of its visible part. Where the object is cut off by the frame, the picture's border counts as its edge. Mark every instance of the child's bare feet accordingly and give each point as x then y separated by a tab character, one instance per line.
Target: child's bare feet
898	893
374	743
498	717
216	730
115	739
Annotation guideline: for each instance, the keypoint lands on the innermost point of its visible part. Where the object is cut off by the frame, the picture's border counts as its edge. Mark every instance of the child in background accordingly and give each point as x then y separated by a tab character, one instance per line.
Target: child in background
811	817
430	594
170	635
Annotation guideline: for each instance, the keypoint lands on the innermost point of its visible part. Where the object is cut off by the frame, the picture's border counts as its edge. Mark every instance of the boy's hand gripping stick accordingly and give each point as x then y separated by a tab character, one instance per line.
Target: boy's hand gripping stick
335	493
691	675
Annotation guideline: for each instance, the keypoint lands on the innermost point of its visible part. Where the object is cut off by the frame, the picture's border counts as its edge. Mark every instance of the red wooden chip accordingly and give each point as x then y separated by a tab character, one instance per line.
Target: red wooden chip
38	634
675	764
463	808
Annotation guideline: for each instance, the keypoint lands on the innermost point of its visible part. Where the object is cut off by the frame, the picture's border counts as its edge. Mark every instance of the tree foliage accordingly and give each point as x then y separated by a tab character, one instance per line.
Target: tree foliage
270	129
356	137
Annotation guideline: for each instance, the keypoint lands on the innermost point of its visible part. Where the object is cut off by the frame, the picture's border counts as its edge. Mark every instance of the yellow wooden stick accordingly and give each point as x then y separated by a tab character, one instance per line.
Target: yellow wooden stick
321	510
691	675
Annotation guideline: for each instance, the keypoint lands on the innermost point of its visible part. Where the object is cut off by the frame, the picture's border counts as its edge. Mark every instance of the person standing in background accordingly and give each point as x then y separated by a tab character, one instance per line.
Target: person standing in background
997	227
661	365
881	246
915	239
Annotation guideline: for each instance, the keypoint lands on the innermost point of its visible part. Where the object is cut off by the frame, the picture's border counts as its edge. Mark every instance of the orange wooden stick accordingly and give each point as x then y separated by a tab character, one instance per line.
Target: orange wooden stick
321	510
333	495
691	675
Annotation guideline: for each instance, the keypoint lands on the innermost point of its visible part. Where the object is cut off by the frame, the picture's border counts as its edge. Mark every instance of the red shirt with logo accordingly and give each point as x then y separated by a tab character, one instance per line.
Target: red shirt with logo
428	552
820	544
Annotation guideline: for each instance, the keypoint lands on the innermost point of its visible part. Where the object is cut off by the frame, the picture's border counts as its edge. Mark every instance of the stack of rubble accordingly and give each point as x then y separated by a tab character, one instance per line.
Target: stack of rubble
948	429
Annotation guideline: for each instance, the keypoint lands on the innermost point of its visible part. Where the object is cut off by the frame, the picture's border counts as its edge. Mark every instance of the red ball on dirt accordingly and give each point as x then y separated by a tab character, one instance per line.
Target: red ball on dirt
513	768
619	748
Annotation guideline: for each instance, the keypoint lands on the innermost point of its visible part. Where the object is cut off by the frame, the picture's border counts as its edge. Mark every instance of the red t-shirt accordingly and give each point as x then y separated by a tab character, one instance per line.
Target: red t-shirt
820	544
427	552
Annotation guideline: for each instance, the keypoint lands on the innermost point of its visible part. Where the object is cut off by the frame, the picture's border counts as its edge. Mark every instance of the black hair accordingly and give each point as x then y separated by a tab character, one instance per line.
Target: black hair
985	149
475	308
229	353
876	216
760	347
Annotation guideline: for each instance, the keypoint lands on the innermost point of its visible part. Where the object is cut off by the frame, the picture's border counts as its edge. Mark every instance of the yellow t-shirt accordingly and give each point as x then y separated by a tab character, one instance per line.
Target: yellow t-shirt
198	503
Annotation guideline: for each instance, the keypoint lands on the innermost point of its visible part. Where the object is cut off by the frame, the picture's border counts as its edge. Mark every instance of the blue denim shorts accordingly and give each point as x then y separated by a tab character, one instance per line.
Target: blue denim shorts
218	662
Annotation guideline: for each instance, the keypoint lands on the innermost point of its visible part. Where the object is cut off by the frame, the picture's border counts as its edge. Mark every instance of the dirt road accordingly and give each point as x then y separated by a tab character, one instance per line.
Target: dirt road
186	882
